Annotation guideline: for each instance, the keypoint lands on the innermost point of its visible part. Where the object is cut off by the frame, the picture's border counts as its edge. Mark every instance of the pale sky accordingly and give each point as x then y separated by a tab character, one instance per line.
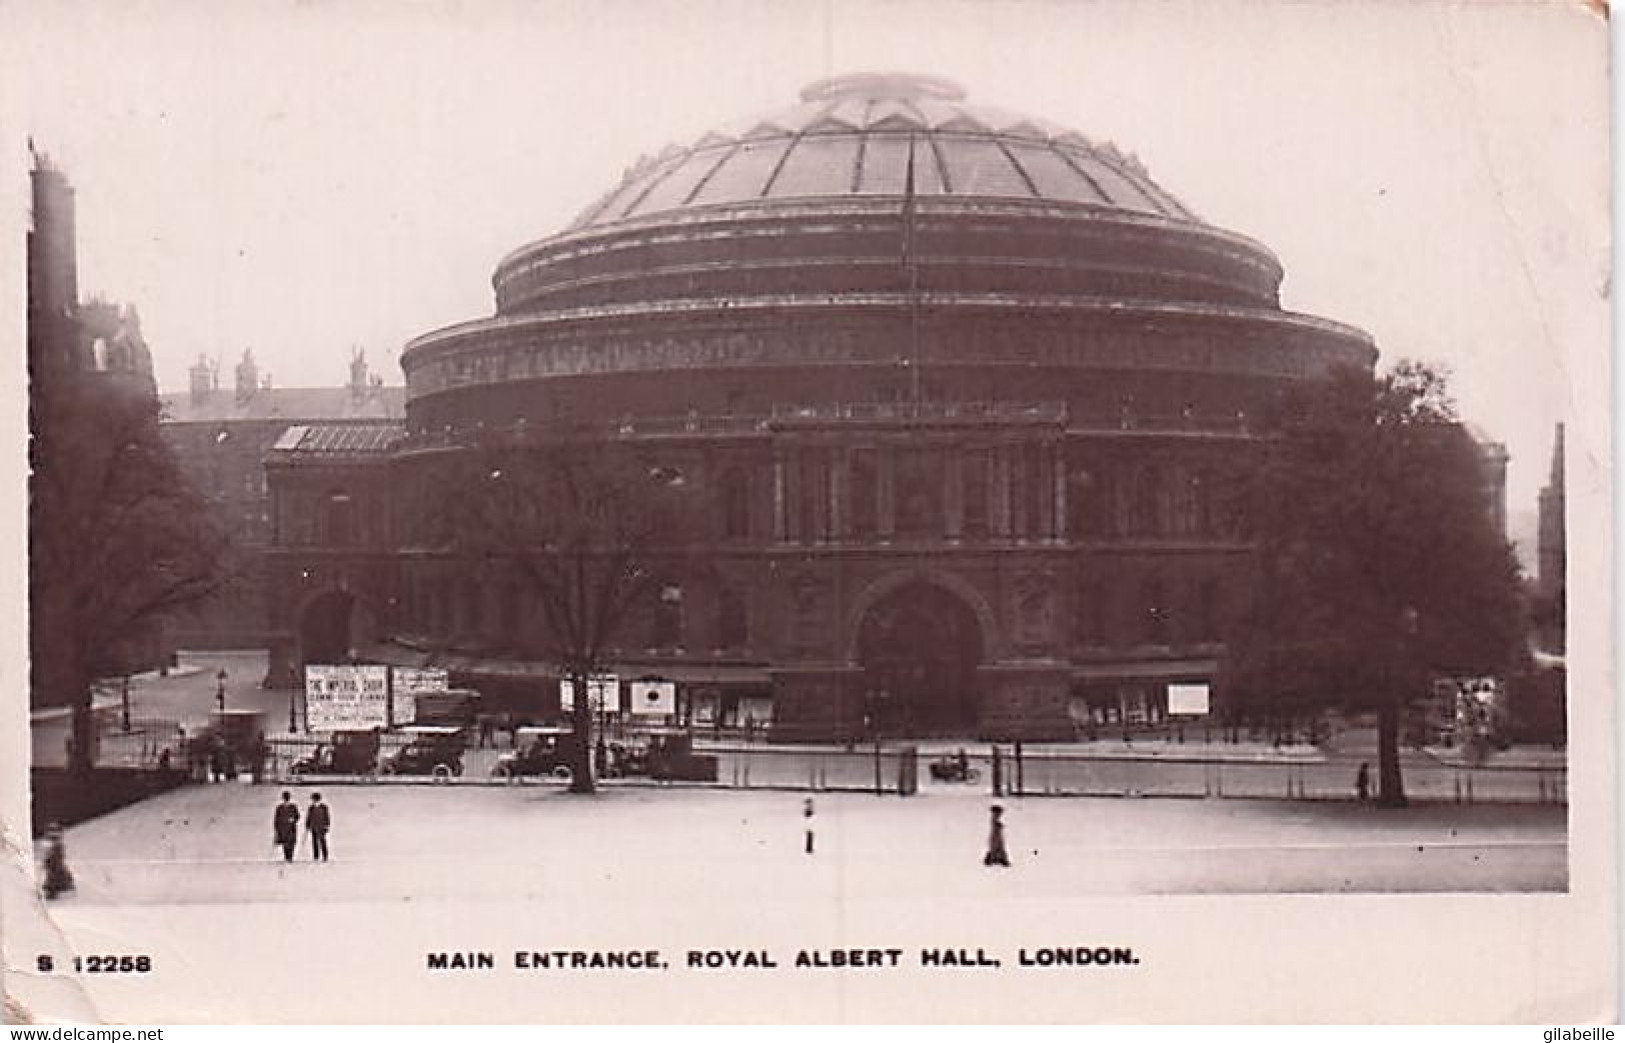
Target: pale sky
297	178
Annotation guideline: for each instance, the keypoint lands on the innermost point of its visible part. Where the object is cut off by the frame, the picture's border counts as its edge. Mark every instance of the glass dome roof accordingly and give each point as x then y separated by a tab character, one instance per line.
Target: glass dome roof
862	134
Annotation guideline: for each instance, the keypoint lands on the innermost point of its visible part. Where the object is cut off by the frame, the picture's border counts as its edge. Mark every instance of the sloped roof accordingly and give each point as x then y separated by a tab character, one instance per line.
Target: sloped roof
350	439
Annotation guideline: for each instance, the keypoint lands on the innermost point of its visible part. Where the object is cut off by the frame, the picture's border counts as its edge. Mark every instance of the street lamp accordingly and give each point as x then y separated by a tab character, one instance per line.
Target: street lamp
124	699
293	720
220	690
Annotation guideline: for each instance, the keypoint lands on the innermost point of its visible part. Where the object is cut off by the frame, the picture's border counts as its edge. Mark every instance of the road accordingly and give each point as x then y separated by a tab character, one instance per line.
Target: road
185	696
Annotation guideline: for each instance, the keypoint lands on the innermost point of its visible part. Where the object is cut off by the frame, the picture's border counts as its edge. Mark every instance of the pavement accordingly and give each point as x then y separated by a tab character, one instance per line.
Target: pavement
212	843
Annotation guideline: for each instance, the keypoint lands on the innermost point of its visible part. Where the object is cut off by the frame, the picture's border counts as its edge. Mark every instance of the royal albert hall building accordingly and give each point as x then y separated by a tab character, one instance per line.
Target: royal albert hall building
957	390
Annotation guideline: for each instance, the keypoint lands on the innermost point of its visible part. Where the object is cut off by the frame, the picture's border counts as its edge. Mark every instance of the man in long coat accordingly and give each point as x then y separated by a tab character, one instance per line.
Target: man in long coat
285	826
318	820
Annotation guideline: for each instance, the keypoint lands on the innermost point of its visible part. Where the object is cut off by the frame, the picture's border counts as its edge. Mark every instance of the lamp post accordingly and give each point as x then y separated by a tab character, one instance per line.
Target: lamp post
293	718
220	689
124	704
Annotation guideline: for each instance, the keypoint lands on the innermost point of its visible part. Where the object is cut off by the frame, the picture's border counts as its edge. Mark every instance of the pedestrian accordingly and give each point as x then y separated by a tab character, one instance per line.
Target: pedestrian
285	826
58	880
318	820
807	815
996	853
1362	782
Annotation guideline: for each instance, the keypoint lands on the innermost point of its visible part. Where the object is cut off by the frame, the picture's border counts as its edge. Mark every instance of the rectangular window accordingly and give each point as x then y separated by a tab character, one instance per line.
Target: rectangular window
864	493
975	464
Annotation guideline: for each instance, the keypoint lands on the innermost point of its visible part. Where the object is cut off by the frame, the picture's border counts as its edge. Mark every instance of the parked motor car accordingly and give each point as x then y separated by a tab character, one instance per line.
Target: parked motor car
669	756
348	753
433	750
537	751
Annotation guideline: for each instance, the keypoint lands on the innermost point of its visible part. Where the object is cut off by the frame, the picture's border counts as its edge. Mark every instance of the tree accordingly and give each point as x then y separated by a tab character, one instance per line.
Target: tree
1378	563
579	519
117	537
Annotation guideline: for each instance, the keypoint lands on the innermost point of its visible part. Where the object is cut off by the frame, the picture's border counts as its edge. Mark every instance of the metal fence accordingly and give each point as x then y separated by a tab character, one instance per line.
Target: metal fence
1051	774
148	742
889	769
886	769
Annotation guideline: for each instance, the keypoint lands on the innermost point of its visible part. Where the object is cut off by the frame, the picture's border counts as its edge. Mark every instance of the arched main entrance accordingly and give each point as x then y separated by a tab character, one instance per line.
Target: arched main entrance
919	647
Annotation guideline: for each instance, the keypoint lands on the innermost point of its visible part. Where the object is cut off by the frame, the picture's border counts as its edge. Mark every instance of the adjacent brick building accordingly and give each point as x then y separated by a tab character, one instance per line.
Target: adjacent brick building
221	437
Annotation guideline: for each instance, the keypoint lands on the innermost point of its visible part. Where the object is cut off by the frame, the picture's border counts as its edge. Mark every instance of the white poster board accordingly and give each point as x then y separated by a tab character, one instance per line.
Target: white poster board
346	698
407	683
603	693
655	698
1188	700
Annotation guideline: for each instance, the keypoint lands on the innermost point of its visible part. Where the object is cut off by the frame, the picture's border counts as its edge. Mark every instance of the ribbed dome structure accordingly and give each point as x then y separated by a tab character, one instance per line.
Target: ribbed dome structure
854	135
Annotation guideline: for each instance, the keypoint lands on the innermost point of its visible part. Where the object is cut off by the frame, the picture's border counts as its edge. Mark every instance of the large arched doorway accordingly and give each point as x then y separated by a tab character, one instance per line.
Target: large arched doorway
919	647
325	628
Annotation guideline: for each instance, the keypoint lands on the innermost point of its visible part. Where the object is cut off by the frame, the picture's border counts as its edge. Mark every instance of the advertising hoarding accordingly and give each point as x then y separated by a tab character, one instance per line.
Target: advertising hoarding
346	698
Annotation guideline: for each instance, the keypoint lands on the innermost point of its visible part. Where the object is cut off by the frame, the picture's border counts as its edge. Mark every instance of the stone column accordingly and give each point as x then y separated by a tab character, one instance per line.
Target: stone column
954	493
840	476
1015	469
1058	463
998	492
885	492
779	530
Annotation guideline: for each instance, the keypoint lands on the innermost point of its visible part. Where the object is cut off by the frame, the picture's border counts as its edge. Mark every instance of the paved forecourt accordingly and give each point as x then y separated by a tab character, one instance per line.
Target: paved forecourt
212	843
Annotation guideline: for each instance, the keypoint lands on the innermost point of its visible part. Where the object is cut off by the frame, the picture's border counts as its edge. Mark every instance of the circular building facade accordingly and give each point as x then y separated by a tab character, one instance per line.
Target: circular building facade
961	394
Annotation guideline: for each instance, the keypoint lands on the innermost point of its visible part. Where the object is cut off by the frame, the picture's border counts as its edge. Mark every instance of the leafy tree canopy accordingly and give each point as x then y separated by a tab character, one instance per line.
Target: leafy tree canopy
117	536
1378	558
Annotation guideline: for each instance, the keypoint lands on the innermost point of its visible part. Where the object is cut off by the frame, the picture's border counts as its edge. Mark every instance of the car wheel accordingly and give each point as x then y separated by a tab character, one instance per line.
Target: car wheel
442	772
563	773
502	771
387	769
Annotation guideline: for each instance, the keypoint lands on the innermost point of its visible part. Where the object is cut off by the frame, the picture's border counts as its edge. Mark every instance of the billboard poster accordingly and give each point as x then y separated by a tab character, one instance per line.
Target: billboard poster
1188	700
407	683
346	698
655	698
603	693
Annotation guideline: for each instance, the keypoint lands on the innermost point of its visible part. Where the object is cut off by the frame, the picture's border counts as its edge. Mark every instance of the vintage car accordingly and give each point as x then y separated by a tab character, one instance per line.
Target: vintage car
667	755
432	750
347	753
537	752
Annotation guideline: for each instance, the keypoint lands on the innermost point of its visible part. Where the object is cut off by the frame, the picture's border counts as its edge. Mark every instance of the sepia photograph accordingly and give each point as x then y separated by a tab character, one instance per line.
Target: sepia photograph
864	511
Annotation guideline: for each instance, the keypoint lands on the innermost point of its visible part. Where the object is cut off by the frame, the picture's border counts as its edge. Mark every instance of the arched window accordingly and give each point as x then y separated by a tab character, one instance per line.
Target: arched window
733	624
666	624
1089	621
339	512
1154	609
975	479
865	493
735	495
1147	502
1208	610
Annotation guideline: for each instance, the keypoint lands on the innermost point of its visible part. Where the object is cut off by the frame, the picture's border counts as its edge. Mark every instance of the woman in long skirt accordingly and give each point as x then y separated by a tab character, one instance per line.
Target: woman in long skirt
58	880
996	853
